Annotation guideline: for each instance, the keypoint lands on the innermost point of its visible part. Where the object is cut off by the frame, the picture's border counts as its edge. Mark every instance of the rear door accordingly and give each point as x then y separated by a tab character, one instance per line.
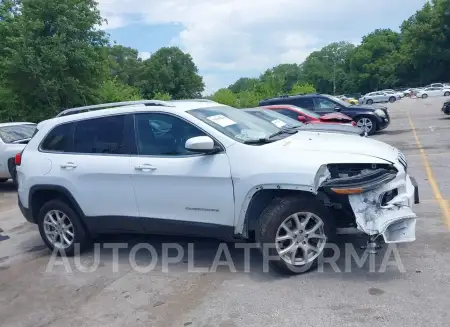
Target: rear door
91	158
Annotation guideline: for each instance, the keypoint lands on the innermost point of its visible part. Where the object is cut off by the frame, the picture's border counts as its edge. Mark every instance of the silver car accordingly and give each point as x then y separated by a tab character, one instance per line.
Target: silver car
379	96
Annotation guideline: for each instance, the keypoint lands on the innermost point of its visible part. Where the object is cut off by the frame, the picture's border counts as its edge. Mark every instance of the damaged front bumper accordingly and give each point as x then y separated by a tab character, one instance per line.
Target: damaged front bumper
393	219
380	196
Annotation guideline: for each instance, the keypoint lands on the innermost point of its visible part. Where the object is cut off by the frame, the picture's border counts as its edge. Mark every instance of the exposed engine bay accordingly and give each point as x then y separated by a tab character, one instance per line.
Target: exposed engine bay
380	197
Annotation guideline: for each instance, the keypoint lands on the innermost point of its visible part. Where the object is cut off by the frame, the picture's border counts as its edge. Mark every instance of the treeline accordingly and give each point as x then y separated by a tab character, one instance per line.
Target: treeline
53	56
417	55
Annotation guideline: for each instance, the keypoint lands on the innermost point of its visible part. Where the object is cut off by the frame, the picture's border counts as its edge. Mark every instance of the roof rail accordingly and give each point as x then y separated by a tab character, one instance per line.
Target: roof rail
113	105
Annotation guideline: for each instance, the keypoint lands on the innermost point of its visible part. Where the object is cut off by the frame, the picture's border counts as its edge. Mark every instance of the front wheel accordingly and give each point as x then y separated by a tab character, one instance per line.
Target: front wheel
447	94
367	124
370	101
392	99
424	96
293	233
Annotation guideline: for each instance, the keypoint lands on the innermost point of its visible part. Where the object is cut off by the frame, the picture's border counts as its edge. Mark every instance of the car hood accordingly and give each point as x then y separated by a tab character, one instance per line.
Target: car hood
335	116
332	128
329	143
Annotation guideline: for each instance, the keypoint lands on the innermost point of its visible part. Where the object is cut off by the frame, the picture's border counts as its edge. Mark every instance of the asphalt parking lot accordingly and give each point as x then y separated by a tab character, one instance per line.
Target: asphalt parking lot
411	292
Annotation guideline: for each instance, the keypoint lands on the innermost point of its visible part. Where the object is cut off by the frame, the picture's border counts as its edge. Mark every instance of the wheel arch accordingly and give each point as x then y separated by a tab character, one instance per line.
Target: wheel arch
40	194
257	200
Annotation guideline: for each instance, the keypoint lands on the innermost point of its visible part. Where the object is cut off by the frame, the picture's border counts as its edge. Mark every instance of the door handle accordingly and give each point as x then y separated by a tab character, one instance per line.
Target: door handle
69	165
145	167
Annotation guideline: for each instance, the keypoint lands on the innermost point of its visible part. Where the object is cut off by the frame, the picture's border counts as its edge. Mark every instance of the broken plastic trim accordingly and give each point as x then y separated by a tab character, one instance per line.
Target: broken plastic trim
363	182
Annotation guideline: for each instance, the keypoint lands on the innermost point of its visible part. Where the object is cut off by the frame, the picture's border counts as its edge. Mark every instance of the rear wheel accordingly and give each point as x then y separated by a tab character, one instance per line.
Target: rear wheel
392	99
367	124
447	94
424	96
293	233
370	101
61	228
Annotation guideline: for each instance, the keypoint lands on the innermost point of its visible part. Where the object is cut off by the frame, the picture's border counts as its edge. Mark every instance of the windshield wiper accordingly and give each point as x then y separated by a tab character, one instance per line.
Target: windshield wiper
288	130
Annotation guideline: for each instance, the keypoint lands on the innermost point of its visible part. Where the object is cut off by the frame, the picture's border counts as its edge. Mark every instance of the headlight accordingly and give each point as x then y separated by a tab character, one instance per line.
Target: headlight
380	113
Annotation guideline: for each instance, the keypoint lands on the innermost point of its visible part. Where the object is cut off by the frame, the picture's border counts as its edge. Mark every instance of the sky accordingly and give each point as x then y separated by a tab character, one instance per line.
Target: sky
229	39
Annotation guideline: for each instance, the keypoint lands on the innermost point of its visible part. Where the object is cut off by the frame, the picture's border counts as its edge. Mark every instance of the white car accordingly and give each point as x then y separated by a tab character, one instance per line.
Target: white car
13	138
433	92
205	169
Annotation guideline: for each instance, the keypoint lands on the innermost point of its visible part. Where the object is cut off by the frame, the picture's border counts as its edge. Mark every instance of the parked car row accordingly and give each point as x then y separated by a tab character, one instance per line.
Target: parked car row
201	168
370	118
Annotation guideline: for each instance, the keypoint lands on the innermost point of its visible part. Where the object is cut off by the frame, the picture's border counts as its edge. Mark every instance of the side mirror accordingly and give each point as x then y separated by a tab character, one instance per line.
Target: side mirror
201	144
301	119
337	108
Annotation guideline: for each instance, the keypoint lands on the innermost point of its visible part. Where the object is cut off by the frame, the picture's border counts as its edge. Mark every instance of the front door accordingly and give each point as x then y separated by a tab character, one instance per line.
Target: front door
325	106
178	191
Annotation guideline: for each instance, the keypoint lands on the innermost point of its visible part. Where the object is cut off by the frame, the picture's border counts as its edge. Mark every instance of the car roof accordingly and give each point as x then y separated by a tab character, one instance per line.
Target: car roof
168	106
286	96
16	124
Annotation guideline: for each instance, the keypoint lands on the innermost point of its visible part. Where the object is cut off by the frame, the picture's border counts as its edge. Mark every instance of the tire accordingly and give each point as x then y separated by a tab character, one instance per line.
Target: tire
278	212
80	235
370	101
392	99
424	96
14	177
363	123
447	94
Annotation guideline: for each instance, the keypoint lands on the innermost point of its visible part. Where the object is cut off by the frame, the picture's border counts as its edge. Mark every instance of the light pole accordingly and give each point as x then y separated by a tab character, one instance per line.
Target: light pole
334	72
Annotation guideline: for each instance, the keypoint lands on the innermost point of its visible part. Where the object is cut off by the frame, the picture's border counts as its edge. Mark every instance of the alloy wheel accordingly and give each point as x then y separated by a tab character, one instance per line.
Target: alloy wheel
365	123
301	238
58	229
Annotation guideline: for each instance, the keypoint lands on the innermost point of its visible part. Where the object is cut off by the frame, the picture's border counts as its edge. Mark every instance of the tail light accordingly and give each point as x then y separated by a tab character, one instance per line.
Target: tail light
18	159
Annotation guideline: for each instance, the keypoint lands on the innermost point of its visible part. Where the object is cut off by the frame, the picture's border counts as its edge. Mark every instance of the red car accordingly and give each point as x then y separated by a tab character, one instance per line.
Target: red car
308	117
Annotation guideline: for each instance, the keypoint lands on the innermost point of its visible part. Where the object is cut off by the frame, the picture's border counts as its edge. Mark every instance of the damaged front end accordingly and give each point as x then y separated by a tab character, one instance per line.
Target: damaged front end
379	196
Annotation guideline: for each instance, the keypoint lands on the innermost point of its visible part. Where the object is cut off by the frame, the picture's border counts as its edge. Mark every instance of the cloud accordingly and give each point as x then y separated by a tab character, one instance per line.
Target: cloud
144	55
236	35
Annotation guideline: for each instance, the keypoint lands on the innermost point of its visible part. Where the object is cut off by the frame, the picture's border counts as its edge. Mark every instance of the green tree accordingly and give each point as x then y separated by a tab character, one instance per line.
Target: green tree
162	96
53	55
243	84
426	43
125	64
225	96
113	90
169	70
300	88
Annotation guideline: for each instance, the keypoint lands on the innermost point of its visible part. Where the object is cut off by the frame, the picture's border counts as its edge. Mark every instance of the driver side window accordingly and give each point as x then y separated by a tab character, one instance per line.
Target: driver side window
160	134
324	105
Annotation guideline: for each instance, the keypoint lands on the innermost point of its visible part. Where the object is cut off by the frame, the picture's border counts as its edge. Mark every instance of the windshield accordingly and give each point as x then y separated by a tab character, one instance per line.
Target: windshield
13	133
335	99
277	119
237	124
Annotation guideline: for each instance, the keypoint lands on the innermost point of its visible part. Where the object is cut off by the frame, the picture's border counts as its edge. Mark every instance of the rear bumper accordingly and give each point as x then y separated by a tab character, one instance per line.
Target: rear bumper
26	212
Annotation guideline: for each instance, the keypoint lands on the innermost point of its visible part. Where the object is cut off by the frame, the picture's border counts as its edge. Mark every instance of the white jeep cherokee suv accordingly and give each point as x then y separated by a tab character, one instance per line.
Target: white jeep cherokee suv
204	169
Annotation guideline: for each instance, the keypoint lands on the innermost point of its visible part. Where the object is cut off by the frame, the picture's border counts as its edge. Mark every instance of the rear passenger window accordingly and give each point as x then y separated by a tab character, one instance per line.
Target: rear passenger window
306	103
59	139
105	135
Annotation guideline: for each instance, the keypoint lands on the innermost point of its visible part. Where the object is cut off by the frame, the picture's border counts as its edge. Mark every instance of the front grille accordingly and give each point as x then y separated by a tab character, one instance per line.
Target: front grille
402	159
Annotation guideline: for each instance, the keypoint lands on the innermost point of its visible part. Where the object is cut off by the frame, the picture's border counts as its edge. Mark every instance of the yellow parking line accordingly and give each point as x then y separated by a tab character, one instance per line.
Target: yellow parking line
437	193
429	154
